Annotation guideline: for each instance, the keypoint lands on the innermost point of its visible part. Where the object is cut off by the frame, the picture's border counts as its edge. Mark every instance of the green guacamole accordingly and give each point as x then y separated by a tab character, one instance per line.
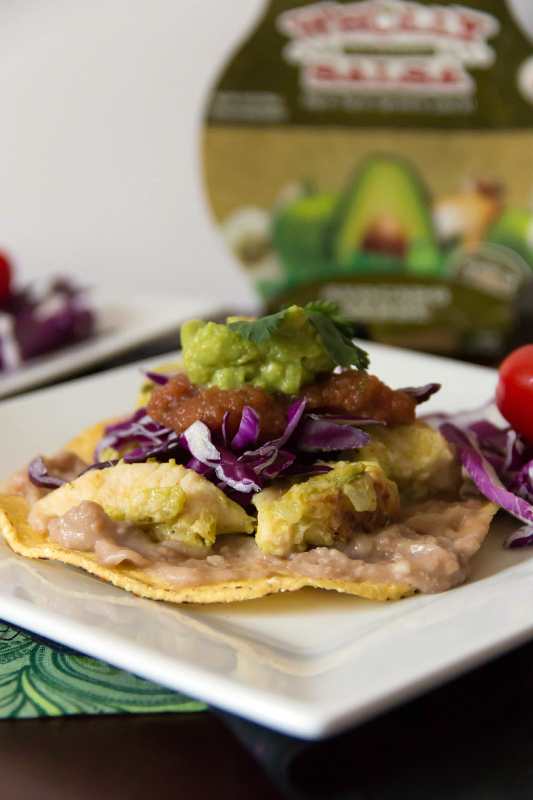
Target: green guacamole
214	355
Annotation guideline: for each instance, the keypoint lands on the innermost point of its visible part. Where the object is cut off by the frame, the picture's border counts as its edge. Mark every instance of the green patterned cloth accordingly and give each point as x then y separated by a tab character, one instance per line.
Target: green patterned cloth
39	678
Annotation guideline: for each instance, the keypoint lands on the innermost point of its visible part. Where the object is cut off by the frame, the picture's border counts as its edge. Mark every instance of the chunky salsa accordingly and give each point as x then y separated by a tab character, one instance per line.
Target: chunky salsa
178	403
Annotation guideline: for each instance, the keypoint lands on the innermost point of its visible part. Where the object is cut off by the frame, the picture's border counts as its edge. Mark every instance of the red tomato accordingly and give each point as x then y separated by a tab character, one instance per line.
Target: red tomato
514	393
5	277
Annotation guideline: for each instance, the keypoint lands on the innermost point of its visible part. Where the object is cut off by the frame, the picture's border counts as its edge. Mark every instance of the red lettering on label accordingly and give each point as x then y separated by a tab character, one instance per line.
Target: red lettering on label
415	75
408	21
329	34
324	72
471	28
353	22
356	74
450	75
315	26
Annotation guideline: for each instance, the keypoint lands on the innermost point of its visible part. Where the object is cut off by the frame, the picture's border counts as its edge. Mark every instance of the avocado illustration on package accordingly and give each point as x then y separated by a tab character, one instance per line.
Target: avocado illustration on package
383	221
378	153
380	222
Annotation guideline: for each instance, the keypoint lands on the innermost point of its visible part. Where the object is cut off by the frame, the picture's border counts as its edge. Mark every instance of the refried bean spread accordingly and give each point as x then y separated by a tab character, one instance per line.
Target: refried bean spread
429	549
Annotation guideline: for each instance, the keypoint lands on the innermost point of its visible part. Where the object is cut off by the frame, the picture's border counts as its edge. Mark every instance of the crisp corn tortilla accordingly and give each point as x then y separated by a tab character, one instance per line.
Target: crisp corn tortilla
26	541
83	445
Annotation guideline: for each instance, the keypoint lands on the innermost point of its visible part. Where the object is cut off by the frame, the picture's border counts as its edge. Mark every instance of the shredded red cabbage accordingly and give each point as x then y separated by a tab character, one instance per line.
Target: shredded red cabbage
483	472
39	475
41	324
499	461
239	466
156	377
248	432
347	419
321	434
227	467
140	429
421	393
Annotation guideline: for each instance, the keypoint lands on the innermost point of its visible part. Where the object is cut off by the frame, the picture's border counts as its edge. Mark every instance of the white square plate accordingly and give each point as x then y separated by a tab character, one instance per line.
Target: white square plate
121	323
308	664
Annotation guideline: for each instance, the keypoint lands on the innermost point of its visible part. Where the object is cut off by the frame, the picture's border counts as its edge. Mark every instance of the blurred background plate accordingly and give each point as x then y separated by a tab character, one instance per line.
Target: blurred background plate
122	324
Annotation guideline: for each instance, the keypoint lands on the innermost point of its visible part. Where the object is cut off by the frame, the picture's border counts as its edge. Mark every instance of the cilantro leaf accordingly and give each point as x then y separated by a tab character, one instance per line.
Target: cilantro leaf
337	344
335	331
326	307
330	309
258	330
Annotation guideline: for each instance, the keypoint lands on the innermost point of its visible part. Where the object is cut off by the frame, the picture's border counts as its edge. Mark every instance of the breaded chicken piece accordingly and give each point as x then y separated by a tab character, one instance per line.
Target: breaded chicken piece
415	456
166	500
325	509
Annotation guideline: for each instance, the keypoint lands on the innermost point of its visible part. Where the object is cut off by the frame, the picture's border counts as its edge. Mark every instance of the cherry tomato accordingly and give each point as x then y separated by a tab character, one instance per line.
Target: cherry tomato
5	277
514	393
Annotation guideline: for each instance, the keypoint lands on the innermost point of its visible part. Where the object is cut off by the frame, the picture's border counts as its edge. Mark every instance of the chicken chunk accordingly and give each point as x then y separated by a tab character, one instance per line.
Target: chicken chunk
416	457
325	509
166	500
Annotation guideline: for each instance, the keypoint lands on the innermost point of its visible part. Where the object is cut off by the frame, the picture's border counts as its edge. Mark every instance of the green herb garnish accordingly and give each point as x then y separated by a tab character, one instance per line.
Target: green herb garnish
335	331
337	344
259	329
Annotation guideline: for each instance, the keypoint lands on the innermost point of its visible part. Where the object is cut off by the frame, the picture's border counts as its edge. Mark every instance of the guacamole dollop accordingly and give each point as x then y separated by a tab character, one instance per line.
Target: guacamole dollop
214	355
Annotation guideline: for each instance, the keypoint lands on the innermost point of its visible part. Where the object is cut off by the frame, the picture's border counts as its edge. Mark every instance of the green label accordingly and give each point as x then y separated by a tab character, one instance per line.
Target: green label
380	153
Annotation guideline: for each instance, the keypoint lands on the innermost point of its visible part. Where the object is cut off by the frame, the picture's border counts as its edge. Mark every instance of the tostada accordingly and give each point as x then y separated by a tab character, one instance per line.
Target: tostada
268	460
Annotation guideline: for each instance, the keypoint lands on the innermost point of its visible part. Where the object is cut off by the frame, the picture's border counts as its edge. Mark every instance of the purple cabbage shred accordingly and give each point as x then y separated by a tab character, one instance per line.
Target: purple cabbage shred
499	461
421	393
33	325
156	377
239	466
39	475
